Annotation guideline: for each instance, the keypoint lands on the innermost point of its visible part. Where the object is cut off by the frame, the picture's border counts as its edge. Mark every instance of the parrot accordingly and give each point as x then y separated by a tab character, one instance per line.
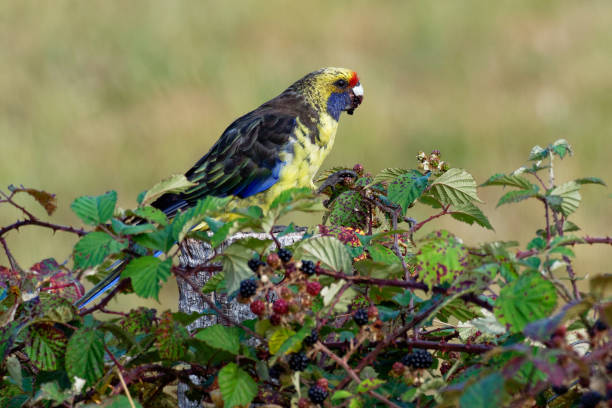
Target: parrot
279	145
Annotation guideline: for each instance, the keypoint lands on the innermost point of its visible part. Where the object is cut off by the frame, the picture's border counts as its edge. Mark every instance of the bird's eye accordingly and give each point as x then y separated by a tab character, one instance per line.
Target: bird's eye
341	83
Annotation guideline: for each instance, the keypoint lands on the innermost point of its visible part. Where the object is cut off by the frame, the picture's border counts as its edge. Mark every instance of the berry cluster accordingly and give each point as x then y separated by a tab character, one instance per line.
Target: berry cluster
317	394
248	287
361	317
432	162
308	267
418	359
298	361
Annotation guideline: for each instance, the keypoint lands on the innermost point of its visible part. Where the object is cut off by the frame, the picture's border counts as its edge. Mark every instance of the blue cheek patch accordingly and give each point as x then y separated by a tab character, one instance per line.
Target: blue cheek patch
336	103
257	186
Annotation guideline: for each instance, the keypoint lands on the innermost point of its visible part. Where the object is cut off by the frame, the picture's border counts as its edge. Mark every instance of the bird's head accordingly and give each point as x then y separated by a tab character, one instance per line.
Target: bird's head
332	90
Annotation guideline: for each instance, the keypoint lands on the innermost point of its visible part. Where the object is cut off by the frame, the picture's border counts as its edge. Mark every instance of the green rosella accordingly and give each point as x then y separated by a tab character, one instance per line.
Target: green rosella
279	145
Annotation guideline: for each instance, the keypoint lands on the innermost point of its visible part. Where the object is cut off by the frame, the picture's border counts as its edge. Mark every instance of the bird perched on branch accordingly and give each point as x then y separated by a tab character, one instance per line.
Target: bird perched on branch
277	146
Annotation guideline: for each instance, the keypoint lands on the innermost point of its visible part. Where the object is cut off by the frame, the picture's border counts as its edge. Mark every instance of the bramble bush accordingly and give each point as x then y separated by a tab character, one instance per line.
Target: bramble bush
364	310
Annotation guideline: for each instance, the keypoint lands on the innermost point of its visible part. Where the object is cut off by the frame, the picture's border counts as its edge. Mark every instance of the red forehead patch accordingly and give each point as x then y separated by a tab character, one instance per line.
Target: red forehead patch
354	79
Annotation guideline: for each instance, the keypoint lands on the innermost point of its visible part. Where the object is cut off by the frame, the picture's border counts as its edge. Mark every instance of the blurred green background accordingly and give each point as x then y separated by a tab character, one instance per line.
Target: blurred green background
103	95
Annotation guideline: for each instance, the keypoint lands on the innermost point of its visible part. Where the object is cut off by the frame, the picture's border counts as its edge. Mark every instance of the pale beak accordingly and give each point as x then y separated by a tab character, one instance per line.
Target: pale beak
356	98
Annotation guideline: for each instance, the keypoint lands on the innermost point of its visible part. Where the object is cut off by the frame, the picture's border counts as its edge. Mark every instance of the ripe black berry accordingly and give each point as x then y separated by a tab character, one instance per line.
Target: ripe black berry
609	367
312	339
600	326
308	267
361	317
418	359
284	254
317	394
298	361
559	389
254	264
276	370
248	287
590	399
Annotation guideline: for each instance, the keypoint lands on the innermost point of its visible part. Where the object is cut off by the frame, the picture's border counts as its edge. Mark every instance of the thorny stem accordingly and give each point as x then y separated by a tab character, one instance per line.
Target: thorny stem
122	284
16	225
583	240
396	247
9	199
352	374
430	345
433	217
9	255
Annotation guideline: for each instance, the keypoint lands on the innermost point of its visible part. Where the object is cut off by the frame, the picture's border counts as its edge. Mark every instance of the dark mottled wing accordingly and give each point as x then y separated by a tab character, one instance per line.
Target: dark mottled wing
245	160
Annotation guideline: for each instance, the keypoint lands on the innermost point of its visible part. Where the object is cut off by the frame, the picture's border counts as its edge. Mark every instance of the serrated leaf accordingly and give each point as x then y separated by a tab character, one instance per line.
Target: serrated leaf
161	240
170	338
349	209
330	251
590	180
237	387
46	344
278	337
380	253
176	183
441	258
515	196
122	228
390	174
152	214
147	273
537	153
561	147
51	391
570	196
485	393
471	214
526	299
330	292
93	248
340	395
221	337
369	384
235	265
213	283
455	187
407	188
512	180
85	355
95	210
294	342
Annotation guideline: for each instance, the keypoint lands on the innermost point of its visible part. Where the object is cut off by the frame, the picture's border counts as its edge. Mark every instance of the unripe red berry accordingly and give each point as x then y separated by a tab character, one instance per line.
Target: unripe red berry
313	288
286	293
303	403
273	260
258	307
280	306
398	368
372	312
275	319
358	168
323	383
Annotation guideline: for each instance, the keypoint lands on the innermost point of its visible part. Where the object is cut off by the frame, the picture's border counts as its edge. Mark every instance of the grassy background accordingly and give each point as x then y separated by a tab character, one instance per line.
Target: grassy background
103	95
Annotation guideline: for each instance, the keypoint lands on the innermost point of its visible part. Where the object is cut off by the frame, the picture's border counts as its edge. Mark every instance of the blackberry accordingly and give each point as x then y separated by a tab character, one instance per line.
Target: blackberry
309	341
317	394
559	389
280	306
313	288
285	255
590	399
275	371
298	361
600	326
308	267
609	367
248	287
418	359
258	307
361	317
254	264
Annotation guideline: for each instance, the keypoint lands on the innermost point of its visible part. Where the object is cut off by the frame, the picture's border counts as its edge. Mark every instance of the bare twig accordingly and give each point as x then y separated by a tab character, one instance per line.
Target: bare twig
55	227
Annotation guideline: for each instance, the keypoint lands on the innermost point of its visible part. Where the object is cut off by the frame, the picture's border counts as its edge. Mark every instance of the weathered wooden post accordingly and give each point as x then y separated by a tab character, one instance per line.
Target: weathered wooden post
196	253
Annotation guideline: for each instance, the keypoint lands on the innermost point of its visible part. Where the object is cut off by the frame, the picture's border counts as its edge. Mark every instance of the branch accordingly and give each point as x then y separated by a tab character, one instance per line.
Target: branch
583	240
431	345
433	217
55	227
120	286
342	363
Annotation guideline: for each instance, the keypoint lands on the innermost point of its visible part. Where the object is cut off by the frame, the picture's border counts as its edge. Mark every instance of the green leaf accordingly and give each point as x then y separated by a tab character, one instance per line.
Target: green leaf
455	187
524	300
340	395
515	196
176	183
330	251
349	209
330	292
390	174
85	355
50	391
561	147
471	214
122	228
290	195
147	273
162	240
221	337
380	253
441	258
485	393
93	248
213	283
95	210
510	180
589	180
570	196
235	267
407	188
237	387
278	338
369	384
121	401
294	342
152	214
537	153
47	344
